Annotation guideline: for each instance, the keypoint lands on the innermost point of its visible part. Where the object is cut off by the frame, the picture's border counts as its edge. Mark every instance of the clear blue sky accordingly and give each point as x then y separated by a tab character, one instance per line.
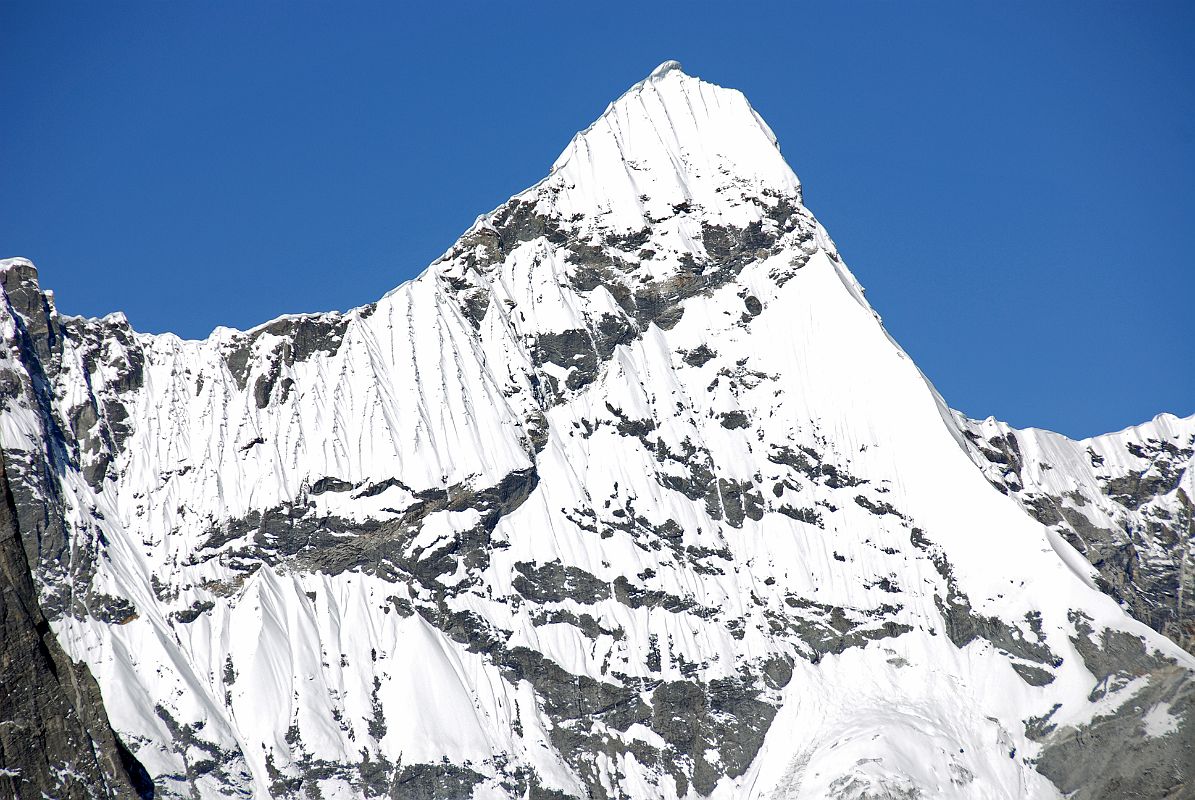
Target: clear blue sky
1014	184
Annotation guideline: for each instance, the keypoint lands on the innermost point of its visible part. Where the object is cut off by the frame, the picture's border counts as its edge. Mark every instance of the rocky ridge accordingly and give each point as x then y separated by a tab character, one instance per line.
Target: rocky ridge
1122	500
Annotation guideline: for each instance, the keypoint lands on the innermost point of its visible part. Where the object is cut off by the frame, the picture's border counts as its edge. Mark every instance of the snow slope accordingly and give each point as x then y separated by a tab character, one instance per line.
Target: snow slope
628	495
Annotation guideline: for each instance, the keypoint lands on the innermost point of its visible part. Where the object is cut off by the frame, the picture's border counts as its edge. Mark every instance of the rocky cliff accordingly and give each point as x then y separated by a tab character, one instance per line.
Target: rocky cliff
55	740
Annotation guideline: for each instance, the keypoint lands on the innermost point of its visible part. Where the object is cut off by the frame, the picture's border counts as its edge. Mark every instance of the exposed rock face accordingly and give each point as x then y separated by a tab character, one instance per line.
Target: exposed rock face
54	735
1152	736
629	495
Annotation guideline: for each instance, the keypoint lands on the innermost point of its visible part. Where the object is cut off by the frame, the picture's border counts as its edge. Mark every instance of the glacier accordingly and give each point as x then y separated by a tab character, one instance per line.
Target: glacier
628	495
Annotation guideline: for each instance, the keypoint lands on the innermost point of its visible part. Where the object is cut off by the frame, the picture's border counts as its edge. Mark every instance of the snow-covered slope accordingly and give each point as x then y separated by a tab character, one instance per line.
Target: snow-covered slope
628	495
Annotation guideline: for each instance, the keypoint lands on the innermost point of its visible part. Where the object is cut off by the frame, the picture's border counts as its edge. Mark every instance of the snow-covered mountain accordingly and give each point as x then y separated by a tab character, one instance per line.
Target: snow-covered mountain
628	495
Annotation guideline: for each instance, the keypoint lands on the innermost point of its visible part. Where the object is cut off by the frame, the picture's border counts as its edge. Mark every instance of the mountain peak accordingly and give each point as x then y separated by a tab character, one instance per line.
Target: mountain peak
665	68
671	139
630	495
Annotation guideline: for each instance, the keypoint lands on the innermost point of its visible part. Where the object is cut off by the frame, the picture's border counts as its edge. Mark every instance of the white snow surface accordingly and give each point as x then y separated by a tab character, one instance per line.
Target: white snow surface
286	664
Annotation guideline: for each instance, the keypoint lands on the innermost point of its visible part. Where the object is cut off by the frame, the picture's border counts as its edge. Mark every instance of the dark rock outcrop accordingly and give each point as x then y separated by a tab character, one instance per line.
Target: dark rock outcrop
1153	734
55	740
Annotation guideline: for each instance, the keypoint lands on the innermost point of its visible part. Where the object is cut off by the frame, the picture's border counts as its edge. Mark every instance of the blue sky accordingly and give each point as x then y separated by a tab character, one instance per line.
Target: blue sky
1012	183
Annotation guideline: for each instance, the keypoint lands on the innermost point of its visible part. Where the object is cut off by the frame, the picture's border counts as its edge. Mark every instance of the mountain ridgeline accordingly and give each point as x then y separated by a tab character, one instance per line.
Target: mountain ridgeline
628	495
